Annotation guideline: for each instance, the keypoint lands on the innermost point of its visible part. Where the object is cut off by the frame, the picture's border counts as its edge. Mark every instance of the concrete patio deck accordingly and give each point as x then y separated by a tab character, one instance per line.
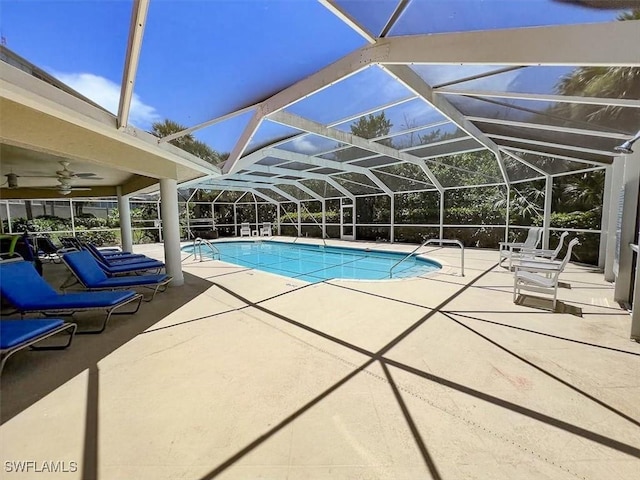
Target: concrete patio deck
242	374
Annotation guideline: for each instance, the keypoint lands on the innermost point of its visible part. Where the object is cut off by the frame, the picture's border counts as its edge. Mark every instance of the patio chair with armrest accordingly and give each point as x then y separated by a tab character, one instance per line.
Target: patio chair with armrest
539	253
508	250
16	335
265	230
89	274
540	277
29	293
245	229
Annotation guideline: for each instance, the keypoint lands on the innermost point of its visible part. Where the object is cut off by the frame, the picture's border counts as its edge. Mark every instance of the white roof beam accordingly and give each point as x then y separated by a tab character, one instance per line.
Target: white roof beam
569	45
528	164
208	123
561	146
278	181
242	189
246	186
334	8
134	44
246	136
402	4
306	174
549	155
350	139
550	128
477	76
414	82
319	162
616	102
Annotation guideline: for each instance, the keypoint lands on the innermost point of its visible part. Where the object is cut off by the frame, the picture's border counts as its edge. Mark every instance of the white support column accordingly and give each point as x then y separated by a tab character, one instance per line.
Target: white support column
392	219
324	218
235	220
255	200
507	219
299	220
442	214
617	177
124	212
606	219
159	222
171	230
9	217
625	275
278	218
546	220
73	218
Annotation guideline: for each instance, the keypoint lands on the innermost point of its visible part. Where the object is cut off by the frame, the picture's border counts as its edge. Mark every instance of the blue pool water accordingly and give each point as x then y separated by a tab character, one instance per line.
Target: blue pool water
313	263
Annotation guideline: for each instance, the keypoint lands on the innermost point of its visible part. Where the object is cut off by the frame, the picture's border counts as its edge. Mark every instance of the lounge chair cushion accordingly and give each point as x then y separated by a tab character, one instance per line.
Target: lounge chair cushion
131	267
15	332
118	259
28	292
92	276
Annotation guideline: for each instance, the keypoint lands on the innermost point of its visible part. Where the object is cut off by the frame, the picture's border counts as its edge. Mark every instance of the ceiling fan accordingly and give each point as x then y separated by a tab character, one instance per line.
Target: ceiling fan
64	177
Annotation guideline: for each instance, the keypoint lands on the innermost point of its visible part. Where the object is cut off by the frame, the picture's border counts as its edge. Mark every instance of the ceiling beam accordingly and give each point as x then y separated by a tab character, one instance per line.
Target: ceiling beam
570	45
134	45
544	97
551	128
402	4
246	136
561	146
208	123
351	22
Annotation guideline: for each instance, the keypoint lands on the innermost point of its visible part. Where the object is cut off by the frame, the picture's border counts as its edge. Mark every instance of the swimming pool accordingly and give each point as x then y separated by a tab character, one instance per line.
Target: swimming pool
313	263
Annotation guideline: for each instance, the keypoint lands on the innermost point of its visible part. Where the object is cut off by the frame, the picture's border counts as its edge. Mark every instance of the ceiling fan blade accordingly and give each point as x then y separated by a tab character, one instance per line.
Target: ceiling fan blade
87	176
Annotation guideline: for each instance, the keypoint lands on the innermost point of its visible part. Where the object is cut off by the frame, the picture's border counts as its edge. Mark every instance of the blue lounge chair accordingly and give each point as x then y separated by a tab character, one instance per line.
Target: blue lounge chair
115	256
18	334
89	274
112	267
23	288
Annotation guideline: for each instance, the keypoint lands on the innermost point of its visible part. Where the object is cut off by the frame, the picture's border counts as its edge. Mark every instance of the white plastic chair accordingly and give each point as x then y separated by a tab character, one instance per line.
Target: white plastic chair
265	230
541	253
511	249
540	277
245	229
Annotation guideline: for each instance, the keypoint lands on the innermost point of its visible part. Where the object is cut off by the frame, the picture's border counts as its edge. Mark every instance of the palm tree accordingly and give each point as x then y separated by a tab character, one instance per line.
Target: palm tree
188	142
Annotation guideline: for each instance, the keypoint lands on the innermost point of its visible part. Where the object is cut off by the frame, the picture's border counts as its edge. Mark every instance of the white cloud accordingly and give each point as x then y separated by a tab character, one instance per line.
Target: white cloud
107	94
303	145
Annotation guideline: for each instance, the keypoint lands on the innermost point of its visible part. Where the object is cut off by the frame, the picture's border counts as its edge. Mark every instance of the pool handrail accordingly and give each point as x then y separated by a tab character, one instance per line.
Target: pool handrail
434	240
197	248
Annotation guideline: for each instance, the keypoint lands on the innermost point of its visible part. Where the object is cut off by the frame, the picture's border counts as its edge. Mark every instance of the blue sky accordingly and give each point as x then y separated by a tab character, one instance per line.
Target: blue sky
203	58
